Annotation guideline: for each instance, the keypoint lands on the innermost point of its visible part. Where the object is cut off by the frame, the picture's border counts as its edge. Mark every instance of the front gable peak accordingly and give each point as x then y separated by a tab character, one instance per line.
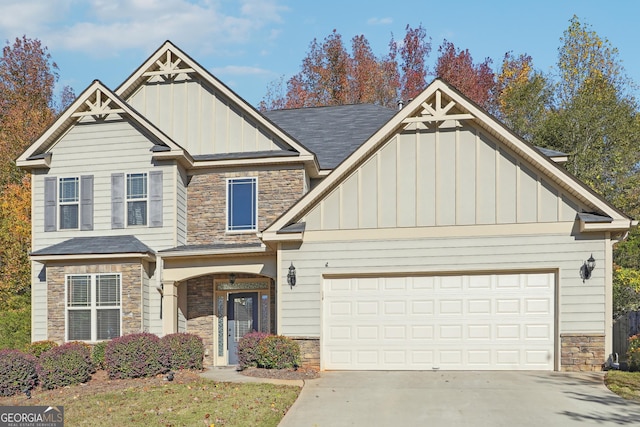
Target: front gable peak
435	110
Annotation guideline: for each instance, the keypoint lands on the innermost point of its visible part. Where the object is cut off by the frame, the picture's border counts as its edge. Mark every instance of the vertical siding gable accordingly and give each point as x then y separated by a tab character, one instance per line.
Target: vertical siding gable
441	177
201	119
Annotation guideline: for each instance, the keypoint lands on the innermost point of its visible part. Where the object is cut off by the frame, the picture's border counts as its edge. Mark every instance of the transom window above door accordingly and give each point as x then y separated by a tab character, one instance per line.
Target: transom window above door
242	204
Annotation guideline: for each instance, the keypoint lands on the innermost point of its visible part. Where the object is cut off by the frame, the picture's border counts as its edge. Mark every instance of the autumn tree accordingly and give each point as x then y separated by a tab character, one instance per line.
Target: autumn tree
330	75
27	106
476	81
523	95
414	52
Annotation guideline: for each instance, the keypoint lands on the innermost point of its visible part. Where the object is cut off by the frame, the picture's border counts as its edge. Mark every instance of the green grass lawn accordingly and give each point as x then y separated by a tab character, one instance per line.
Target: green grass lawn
198	402
624	384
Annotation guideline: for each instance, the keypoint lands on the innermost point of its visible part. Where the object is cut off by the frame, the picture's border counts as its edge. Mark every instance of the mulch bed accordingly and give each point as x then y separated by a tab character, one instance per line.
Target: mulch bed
282	374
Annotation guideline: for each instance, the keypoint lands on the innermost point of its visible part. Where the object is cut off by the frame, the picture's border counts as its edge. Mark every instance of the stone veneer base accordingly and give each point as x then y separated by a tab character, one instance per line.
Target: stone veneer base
581	352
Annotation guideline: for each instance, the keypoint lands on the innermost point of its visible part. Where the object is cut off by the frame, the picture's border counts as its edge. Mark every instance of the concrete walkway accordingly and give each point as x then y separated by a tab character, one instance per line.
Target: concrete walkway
230	374
404	399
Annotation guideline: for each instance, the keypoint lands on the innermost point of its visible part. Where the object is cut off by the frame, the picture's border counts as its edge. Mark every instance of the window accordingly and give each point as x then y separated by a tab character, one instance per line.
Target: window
93	307
242	200
136	199
69	197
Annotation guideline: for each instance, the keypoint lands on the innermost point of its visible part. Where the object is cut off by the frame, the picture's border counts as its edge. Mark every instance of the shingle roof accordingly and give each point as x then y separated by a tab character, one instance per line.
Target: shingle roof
213	246
99	245
332	133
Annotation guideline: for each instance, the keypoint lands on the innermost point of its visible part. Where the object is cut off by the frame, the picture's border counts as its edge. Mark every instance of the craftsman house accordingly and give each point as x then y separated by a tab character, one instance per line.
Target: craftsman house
430	237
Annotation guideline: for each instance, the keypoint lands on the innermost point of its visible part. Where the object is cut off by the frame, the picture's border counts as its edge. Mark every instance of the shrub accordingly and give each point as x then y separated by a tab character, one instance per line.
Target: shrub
633	353
278	352
248	349
18	372
97	354
182	351
38	347
133	356
64	365
15	328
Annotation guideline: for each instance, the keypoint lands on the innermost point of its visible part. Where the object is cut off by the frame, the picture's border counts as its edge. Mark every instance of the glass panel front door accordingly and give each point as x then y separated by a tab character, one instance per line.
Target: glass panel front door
242	318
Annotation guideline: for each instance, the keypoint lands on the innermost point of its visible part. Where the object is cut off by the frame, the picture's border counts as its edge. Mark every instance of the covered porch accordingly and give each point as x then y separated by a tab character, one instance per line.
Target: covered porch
220	294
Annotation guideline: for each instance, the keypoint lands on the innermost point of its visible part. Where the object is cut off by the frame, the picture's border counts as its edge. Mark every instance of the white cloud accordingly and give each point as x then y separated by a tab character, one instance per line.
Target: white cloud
103	28
379	21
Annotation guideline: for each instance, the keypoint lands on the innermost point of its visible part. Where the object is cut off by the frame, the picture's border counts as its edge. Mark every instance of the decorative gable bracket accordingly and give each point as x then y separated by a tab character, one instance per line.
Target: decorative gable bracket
434	112
169	68
100	107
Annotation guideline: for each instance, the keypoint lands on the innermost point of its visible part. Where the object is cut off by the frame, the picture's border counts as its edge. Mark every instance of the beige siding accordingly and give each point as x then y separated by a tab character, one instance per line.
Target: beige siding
100	149
453	176
200	119
38	302
581	305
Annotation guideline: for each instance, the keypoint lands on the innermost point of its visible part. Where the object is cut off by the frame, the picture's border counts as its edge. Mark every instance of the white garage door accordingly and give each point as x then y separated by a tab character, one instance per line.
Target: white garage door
471	322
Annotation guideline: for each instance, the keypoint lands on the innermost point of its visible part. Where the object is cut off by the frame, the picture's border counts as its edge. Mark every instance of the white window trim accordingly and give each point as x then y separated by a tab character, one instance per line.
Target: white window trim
59	203
93	307
226	216
126	200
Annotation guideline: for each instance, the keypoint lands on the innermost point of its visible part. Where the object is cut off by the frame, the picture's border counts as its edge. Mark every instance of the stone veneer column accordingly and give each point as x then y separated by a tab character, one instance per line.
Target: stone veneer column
169	308
582	352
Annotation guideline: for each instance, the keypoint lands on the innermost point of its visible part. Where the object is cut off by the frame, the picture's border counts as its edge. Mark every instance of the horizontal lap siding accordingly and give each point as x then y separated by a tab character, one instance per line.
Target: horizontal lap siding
581	304
100	149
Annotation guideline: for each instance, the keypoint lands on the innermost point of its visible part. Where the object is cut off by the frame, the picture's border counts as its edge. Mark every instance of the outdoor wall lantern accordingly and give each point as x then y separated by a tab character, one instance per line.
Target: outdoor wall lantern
232	278
291	277
587	268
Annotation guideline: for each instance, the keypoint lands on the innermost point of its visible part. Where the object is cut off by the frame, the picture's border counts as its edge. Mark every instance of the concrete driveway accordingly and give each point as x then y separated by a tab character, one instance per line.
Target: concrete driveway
402	399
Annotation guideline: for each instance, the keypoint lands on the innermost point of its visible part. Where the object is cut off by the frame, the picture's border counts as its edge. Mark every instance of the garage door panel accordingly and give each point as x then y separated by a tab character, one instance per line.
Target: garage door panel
451	322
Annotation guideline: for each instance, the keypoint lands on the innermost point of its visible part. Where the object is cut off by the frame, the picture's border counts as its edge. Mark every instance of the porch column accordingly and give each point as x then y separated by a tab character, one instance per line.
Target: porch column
169	308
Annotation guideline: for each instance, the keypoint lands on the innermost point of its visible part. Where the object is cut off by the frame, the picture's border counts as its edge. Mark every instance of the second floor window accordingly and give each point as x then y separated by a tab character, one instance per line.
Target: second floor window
137	199
69	202
242	201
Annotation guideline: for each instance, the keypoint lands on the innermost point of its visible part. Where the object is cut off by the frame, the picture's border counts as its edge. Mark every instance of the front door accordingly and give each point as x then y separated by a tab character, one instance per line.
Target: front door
242	318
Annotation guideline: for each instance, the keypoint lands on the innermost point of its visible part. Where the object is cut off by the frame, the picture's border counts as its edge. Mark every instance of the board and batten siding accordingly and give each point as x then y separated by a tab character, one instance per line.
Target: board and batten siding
580	305
441	178
200	119
101	149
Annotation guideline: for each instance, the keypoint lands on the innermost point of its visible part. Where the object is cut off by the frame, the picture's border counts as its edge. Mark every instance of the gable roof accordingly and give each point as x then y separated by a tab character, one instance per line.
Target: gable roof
332	132
168	59
98	101
440	103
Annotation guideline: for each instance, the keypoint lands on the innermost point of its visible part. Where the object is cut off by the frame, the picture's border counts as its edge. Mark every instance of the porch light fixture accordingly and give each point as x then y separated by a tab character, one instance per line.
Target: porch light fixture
291	277
232	278
587	268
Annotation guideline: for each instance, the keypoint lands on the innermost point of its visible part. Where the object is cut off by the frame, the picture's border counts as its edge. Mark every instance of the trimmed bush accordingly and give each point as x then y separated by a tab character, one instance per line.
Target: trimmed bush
633	353
133	356
64	365
18	372
248	349
278	352
97	354
182	351
15	328
38	347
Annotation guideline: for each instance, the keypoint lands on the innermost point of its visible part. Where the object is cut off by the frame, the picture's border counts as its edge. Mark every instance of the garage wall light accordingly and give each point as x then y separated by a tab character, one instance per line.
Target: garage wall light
587	268
291	277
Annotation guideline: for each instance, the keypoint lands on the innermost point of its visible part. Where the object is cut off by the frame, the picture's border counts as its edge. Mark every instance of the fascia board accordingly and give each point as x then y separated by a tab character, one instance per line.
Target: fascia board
616	225
79	257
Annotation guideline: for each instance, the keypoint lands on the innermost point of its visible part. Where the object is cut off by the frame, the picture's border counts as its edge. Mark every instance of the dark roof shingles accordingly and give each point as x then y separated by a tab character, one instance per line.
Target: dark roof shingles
99	245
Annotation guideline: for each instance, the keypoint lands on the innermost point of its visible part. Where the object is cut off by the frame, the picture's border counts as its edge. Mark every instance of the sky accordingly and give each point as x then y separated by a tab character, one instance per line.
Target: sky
249	43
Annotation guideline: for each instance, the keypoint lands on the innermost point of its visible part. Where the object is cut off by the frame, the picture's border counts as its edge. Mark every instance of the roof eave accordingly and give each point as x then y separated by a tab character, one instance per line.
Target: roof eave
213	252
73	257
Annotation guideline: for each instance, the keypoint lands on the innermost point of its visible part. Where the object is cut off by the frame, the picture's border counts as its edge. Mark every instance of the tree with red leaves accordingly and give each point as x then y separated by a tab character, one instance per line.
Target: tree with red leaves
414	51
476	81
